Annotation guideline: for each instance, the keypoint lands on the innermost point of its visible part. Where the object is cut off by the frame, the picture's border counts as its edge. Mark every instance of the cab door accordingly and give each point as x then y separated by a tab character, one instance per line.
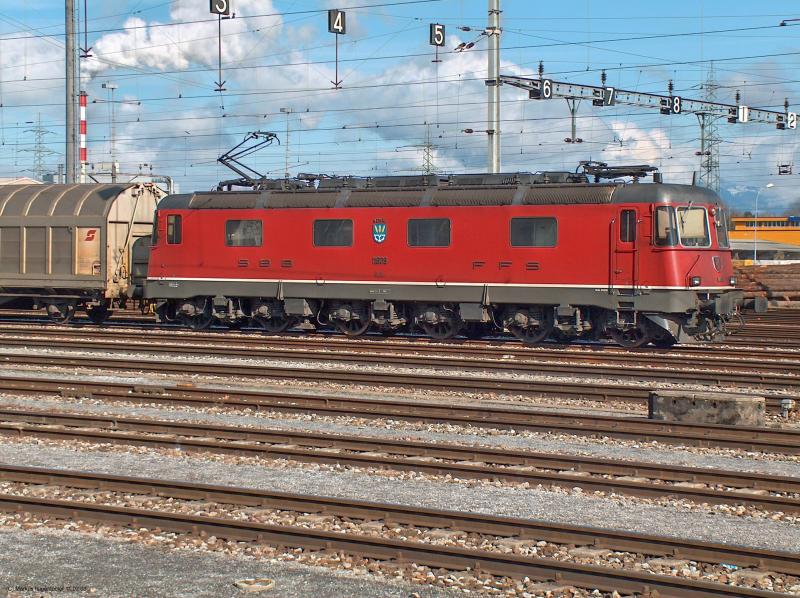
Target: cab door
625	256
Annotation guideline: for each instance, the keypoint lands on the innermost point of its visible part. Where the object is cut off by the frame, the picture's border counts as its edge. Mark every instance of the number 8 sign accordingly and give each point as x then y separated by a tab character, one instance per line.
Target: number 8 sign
221	7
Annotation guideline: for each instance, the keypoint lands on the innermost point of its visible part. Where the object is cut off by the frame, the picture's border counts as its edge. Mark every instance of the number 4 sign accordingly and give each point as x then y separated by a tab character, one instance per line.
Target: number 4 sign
221	7
336	22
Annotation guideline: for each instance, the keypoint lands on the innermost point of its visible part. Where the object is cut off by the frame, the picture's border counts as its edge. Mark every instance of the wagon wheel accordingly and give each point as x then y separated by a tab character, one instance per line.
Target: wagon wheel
61	313
442	330
273	325
352	327
632	338
198	322
99	314
664	342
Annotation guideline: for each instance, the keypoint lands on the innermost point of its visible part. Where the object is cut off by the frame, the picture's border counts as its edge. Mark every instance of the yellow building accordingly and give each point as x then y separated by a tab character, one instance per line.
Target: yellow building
766	237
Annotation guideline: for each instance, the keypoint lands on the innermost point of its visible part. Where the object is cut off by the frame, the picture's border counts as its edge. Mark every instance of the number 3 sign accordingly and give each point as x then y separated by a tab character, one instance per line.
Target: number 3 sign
221	7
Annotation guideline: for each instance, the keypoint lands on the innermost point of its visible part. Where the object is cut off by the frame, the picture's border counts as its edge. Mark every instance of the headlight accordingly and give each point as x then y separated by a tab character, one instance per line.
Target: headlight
732	281
695	281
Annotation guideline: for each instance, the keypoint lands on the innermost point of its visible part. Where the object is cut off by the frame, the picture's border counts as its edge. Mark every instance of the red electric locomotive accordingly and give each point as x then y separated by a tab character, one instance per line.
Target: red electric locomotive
540	256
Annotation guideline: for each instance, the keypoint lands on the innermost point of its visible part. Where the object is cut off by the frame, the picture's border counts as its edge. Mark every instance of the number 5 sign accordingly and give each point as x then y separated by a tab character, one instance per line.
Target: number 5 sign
437	35
221	7
336	22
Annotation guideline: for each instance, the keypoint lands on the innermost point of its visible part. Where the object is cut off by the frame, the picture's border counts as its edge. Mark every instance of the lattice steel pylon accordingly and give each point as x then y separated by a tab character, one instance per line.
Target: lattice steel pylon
428	166
709	137
40	150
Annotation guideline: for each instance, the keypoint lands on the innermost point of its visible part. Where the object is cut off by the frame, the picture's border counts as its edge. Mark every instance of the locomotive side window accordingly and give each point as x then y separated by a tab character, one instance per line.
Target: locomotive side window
429	232
534	232
693	227
333	233
666	231
174	229
627	226
722	229
243	233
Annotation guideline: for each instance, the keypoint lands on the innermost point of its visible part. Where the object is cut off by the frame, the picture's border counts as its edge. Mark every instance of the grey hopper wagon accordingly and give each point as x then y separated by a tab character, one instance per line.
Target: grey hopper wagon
70	247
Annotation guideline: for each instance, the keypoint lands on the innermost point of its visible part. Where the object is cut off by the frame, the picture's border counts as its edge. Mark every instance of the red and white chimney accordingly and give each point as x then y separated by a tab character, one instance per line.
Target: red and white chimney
83	153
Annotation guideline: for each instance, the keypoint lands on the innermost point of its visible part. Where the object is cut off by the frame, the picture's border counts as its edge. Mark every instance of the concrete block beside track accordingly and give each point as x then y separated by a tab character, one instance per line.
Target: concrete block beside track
706	408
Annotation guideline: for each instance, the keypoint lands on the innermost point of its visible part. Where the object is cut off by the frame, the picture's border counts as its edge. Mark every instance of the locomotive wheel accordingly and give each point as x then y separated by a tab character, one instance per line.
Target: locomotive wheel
352	327
273	325
531	336
442	330
99	314
200	322
62	313
631	338
536	334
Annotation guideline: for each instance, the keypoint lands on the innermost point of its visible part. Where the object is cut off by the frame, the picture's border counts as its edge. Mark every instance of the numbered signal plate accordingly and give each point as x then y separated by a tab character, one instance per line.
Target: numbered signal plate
437	35
337	21
221	7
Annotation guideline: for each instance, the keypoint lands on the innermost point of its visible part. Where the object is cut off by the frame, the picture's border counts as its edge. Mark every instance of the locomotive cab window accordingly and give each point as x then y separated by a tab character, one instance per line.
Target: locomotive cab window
534	232
693	227
627	226
174	231
429	232
243	233
666	233
333	233
721	222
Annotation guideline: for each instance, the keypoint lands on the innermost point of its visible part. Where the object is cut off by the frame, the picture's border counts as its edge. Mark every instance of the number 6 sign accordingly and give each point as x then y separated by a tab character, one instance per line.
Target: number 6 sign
221	7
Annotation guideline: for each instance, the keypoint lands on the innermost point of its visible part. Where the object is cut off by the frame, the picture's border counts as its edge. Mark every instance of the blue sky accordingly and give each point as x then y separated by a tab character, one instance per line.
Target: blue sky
278	54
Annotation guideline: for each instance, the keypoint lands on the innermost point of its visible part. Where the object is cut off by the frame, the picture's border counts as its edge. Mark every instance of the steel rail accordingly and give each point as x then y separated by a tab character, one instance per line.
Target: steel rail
690	355
427	457
453	558
767	373
705	354
524	529
491	416
571	389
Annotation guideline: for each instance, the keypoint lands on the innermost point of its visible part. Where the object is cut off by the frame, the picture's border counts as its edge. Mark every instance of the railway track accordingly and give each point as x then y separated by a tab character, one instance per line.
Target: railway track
641	429
773	330
376	547
753	367
639	479
424	379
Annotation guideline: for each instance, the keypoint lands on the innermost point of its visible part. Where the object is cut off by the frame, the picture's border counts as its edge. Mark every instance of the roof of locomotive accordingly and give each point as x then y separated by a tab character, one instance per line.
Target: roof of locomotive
433	191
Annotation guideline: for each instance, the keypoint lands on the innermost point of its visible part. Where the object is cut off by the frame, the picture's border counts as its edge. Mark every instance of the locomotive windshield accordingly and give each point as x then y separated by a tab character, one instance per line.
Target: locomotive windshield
666	231
693	227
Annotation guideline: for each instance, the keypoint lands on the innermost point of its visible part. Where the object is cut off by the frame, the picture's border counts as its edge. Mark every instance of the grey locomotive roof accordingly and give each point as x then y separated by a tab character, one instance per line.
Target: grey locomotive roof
84	201
442	195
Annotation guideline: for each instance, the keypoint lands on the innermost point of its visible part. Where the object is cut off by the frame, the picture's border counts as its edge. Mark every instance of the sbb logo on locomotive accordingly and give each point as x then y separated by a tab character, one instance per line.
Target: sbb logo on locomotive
379	231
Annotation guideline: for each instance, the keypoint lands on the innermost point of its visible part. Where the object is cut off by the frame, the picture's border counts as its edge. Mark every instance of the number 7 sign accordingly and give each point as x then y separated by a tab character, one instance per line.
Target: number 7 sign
336	22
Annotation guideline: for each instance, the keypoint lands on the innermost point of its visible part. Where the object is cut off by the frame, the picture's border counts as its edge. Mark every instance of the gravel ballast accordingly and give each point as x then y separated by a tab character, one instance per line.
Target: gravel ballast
572	508
727	459
80	566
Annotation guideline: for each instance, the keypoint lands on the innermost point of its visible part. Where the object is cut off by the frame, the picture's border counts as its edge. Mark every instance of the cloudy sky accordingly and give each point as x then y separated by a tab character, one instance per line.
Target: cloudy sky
278	54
